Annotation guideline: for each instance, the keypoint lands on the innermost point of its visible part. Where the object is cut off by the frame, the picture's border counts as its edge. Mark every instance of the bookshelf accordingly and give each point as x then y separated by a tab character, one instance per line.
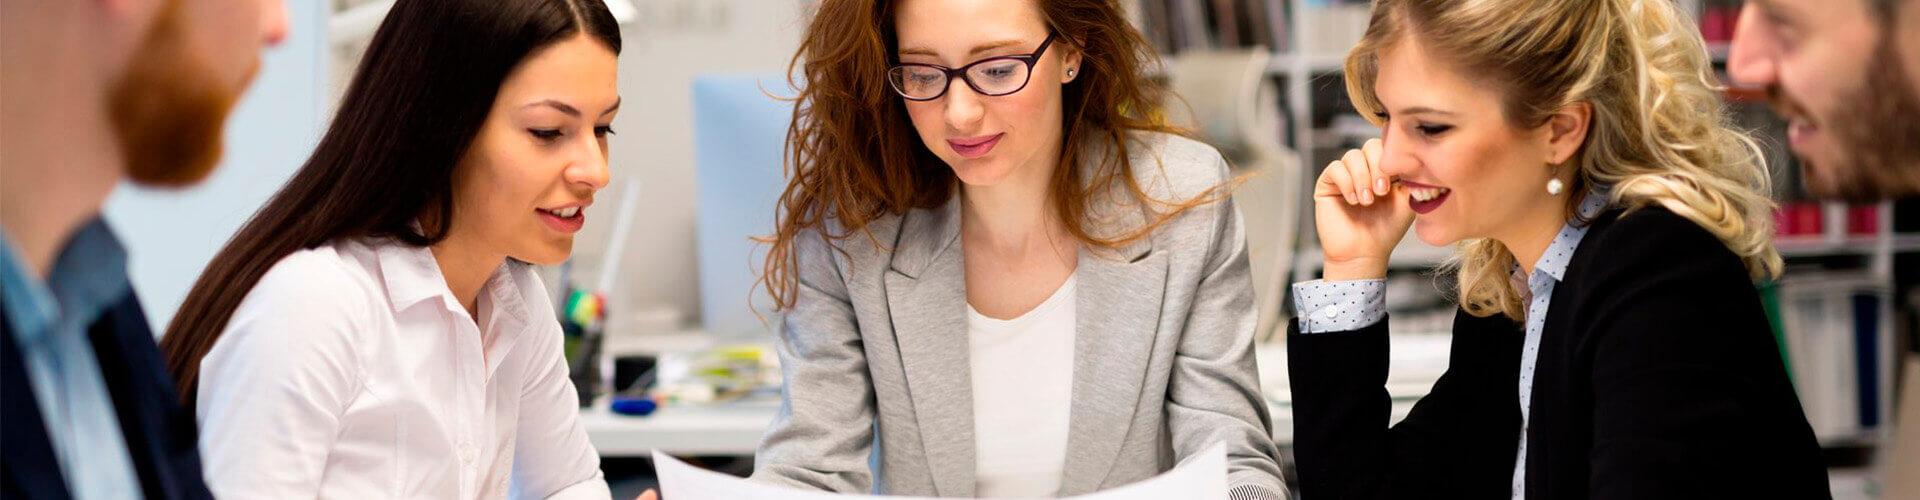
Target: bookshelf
1840	257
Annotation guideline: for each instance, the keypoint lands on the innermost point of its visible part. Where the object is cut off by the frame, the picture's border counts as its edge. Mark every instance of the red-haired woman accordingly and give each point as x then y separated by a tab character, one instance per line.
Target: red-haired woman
999	275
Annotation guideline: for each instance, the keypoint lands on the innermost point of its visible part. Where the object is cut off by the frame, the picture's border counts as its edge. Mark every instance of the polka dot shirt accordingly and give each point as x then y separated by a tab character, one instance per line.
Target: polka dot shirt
1339	306
1551	268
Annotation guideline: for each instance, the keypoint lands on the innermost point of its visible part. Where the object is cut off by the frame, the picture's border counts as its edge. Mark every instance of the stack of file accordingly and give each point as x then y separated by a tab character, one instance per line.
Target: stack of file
1830	327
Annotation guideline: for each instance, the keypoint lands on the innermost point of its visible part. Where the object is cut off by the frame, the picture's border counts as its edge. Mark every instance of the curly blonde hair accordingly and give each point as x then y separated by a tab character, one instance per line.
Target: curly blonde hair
1658	134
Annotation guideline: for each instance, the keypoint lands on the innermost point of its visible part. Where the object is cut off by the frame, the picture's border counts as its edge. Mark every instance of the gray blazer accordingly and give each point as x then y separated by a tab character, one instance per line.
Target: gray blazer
875	351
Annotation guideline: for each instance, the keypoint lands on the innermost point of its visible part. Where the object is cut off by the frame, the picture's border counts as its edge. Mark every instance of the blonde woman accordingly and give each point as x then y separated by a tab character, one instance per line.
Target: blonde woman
1609	343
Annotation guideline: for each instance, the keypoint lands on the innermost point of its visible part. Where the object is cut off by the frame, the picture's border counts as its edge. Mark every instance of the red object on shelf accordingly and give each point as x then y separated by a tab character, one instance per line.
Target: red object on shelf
1798	218
1716	24
1863	220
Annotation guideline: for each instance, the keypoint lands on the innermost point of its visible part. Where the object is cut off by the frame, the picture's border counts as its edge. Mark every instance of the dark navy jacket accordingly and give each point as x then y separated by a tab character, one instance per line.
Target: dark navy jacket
160	435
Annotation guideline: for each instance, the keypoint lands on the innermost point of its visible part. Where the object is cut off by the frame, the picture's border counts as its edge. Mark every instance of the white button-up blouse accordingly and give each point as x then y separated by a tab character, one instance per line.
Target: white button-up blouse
350	371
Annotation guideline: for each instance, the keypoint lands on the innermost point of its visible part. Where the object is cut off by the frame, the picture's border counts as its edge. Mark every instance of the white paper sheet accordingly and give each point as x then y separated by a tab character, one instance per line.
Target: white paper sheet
1202	477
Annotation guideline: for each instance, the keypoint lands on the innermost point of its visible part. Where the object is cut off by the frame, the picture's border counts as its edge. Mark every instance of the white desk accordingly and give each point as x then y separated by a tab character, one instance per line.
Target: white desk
735	428
725	429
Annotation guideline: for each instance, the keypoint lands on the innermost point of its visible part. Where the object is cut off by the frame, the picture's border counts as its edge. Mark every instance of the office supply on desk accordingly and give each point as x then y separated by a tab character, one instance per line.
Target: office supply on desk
719	373
583	321
583	315
1204	477
632	373
634	406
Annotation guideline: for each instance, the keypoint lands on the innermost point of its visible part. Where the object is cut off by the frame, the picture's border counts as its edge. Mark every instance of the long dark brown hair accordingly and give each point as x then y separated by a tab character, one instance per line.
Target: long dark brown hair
419	97
853	156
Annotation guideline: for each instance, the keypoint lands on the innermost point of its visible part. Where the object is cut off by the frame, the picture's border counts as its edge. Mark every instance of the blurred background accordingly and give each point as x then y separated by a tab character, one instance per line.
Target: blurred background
670	342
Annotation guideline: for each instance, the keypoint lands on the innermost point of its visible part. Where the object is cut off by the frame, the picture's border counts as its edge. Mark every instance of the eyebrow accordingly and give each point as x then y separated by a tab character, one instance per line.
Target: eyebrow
977	49
568	108
1416	110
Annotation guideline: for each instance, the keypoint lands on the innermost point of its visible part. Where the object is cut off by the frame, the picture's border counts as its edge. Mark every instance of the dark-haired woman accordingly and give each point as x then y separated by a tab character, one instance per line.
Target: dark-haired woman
991	256
376	331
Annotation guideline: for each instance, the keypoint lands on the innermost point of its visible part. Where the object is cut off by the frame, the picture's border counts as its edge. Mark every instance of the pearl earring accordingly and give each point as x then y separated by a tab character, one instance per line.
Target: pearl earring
1554	186
1071	72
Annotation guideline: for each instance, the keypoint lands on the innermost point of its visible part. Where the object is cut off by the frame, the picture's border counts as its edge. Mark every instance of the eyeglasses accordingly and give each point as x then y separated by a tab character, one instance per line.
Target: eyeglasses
994	76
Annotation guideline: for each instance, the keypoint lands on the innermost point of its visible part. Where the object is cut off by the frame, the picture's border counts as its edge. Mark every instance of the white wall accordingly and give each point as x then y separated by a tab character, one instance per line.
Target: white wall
171	234
672	42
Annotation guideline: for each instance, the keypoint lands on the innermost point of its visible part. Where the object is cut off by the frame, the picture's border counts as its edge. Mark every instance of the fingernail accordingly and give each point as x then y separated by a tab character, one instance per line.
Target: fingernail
1380	185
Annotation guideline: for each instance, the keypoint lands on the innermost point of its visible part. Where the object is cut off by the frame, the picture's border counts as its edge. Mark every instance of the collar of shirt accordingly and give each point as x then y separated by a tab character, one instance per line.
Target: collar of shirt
50	321
88	277
412	276
1553	263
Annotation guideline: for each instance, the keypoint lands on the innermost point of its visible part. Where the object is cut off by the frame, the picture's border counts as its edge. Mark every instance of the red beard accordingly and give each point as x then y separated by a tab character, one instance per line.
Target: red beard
169	109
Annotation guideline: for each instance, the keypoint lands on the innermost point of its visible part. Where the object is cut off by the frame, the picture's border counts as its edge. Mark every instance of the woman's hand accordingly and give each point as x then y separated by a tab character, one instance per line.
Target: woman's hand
1360	213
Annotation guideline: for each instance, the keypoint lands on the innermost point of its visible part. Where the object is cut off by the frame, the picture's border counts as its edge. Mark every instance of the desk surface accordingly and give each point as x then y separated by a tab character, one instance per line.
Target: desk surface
735	428
724	429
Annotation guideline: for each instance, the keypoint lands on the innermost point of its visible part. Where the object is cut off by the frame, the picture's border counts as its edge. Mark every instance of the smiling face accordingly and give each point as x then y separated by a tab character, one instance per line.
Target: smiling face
524	185
1836	75
986	139
1470	173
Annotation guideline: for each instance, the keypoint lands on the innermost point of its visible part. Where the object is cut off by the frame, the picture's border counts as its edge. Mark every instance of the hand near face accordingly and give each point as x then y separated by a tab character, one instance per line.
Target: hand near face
1361	214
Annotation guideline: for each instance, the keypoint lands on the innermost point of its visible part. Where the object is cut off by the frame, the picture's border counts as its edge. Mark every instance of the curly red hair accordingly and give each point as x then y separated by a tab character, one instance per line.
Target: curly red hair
852	155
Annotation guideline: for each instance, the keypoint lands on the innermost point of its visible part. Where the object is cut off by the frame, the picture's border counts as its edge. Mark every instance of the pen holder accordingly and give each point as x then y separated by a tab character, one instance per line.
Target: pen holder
583	322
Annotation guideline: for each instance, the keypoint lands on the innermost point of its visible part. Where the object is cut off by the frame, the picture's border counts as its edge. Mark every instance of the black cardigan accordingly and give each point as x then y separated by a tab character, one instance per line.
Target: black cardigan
1658	377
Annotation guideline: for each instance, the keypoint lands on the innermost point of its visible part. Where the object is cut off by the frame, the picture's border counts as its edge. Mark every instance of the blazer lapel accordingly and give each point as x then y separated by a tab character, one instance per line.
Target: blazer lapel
1117	319
927	297
160	435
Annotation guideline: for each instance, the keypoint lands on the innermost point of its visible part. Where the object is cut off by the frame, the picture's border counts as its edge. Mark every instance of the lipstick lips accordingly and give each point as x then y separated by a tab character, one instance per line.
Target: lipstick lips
1424	198
974	147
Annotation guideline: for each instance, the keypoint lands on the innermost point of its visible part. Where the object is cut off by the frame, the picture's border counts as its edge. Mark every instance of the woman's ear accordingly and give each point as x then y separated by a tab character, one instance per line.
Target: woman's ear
1567	131
1070	61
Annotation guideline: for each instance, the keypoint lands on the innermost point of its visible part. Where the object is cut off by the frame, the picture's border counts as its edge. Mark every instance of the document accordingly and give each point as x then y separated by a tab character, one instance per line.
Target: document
1201	477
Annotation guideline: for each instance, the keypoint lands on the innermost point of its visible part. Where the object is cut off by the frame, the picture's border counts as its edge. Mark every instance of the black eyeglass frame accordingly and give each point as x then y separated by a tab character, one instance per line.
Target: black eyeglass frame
948	74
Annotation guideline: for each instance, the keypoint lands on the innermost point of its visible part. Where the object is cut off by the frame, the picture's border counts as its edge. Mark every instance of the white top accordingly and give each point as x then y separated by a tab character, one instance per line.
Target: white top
350	371
1022	395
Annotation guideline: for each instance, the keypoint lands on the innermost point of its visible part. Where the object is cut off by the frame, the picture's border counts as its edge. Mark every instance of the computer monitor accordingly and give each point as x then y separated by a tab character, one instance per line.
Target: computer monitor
739	133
